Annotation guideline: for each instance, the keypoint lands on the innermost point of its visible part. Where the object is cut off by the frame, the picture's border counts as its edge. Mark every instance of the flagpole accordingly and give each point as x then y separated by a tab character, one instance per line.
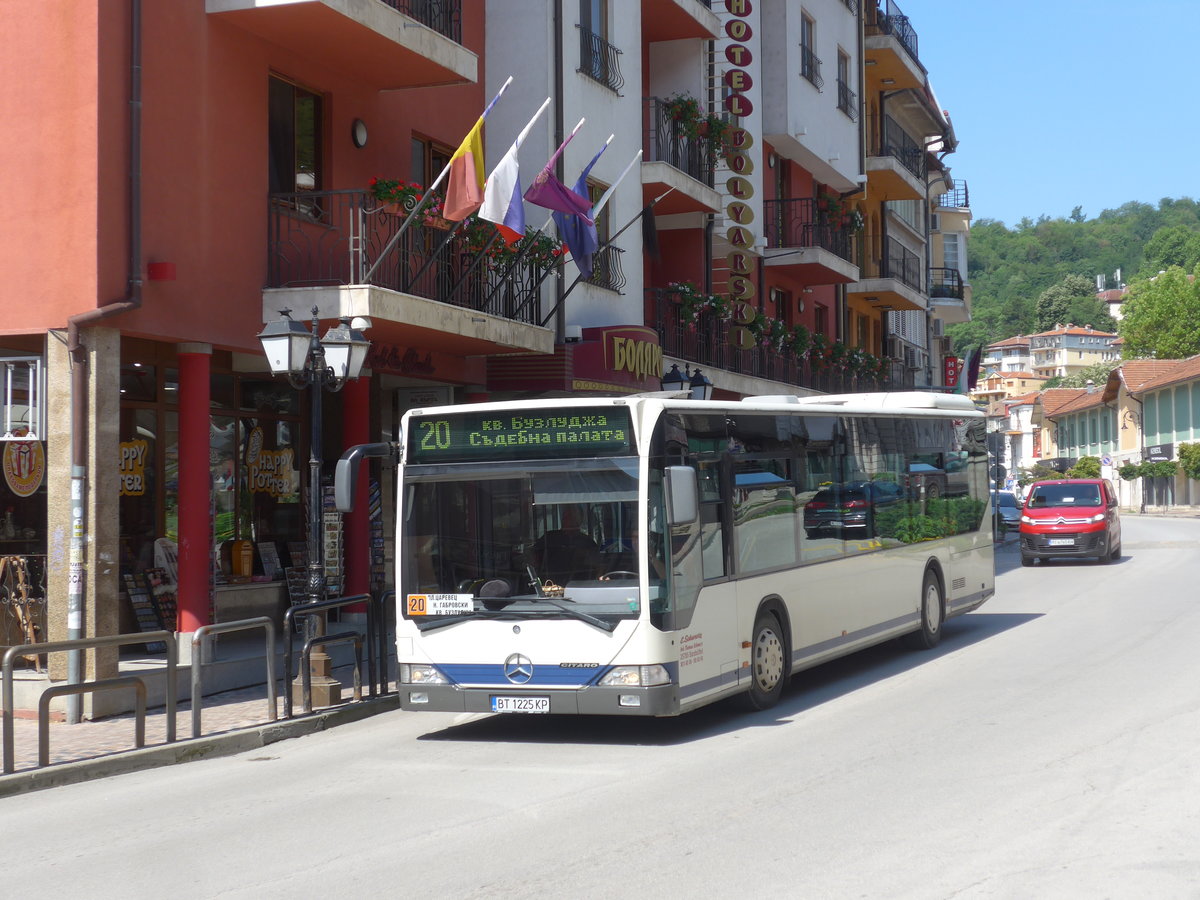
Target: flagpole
425	197
600	204
604	246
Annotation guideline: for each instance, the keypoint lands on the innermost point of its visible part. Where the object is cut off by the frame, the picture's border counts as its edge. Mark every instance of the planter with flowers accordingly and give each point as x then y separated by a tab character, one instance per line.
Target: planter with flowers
398	197
536	249
694	304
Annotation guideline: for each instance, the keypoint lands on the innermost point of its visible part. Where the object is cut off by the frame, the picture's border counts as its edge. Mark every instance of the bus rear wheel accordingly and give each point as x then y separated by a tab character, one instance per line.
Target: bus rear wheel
768	662
932	615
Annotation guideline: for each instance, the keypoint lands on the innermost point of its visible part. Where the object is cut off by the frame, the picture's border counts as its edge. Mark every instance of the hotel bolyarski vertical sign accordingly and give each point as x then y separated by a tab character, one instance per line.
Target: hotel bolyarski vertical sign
740	187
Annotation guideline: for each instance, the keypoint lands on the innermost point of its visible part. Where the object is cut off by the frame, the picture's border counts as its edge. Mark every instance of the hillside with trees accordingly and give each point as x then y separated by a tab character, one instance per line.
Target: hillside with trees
1027	278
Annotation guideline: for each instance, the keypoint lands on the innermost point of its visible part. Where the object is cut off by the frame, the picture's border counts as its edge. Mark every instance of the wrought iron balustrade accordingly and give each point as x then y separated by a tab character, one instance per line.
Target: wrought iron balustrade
894	141
891	20
706	341
600	60
956	198
800	223
606	270
810	67
332	238
443	16
946	283
902	264
668	141
847	100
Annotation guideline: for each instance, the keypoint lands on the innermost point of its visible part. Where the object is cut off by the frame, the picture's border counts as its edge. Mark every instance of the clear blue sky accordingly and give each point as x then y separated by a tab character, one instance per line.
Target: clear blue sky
1065	103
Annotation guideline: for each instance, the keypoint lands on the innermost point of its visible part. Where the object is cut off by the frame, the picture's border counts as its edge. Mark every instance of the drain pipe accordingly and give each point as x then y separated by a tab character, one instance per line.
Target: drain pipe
77	575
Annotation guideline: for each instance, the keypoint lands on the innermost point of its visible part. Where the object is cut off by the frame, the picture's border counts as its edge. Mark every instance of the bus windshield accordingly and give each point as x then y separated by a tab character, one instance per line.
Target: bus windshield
538	538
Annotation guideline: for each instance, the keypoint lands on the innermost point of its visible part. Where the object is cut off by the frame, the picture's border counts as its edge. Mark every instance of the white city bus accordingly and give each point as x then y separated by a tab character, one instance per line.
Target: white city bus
647	555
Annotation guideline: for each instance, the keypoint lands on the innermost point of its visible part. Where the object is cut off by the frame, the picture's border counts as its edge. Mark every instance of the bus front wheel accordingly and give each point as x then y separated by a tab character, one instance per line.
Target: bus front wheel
768	662
931	612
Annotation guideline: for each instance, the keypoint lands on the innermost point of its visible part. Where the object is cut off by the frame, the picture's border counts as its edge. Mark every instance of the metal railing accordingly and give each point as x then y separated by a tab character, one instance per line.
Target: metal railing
893	140
852	5
810	67
890	20
374	639
957	197
946	283
327	238
667	141
443	16
112	640
799	223
199	642
901	263
847	100
706	341
600	60
607	272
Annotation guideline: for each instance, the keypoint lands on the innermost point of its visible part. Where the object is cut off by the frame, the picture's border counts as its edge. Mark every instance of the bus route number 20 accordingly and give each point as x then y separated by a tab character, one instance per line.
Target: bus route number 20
439	604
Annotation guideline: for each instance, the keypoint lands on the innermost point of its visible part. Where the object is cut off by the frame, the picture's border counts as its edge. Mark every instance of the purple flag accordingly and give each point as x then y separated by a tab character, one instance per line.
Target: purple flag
547	191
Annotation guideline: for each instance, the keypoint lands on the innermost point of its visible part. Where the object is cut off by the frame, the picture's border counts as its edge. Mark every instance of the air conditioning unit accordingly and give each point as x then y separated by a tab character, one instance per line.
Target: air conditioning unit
939	328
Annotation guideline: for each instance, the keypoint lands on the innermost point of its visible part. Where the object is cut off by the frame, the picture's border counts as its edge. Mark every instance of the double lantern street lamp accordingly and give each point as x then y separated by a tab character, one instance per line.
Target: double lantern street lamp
692	380
322	365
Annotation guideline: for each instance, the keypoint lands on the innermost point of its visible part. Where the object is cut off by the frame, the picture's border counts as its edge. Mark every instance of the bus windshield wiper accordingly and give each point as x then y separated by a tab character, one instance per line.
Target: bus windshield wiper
573	611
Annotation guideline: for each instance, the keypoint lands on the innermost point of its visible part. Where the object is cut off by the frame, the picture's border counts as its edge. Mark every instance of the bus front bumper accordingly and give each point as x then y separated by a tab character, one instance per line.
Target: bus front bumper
662	700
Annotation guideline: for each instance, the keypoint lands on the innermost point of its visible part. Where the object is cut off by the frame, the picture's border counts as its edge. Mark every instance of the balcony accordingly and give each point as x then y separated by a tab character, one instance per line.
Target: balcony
706	343
387	44
949	295
891	277
600	60
801	241
847	100
674	20
896	164
673	158
334	249
956	198
890	48
607	272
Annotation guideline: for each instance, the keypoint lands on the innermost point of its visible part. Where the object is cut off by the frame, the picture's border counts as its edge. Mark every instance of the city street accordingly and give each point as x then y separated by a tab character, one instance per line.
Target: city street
1046	748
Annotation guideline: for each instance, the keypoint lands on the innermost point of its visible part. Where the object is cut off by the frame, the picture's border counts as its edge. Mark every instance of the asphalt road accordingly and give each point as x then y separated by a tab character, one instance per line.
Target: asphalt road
1046	749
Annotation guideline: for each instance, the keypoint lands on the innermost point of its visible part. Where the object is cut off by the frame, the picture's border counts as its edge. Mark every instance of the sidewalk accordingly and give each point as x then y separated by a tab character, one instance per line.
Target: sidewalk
231	722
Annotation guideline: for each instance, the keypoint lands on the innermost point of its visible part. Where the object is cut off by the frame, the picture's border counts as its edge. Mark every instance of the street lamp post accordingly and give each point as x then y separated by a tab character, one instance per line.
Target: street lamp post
693	380
320	365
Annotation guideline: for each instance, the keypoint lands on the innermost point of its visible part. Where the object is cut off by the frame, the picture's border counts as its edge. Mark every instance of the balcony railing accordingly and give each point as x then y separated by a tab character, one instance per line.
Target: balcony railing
902	264
810	67
852	5
957	198
890	20
894	141
847	100
798	223
606	270
443	16
946	284
332	238
706	343
666	141
600	60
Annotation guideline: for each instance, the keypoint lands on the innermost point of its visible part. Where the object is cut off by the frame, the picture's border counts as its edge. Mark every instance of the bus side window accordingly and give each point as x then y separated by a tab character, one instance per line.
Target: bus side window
712	532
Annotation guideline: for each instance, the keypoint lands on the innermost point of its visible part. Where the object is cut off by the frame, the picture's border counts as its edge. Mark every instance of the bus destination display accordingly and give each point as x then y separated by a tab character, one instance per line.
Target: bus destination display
533	434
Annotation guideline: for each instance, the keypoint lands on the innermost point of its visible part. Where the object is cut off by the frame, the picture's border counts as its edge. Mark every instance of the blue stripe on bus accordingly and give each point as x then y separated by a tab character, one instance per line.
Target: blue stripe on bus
717	681
543	676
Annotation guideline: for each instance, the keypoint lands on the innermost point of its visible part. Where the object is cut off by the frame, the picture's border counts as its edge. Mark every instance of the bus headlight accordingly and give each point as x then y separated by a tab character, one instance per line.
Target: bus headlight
636	676
415	673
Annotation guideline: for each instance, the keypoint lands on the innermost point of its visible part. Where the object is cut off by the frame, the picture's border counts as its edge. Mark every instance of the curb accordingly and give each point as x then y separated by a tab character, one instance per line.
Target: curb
182	751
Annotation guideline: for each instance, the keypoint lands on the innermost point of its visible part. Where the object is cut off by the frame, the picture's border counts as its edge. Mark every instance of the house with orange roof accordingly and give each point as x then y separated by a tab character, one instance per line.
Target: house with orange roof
1006	385
1066	349
1158	404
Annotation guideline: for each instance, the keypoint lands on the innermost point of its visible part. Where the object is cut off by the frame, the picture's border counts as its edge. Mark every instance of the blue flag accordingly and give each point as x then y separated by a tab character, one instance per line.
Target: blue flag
578	233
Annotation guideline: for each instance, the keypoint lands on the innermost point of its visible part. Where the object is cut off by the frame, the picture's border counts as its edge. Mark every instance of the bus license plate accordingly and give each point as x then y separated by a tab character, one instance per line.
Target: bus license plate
1061	542
521	704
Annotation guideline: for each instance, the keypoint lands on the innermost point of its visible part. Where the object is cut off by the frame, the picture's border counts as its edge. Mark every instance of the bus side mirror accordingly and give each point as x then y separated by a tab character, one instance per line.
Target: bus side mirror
683	495
345	477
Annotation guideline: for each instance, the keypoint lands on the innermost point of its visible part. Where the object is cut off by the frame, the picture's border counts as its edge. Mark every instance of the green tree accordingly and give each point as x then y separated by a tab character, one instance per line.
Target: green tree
1087	467
1174	245
1072	299
1161	317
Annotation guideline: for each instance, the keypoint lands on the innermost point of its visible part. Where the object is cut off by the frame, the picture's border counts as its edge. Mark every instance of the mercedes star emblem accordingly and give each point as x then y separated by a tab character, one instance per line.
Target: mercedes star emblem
518	669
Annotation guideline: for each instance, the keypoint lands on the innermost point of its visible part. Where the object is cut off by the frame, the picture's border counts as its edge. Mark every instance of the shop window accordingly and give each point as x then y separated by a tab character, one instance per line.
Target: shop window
138	382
